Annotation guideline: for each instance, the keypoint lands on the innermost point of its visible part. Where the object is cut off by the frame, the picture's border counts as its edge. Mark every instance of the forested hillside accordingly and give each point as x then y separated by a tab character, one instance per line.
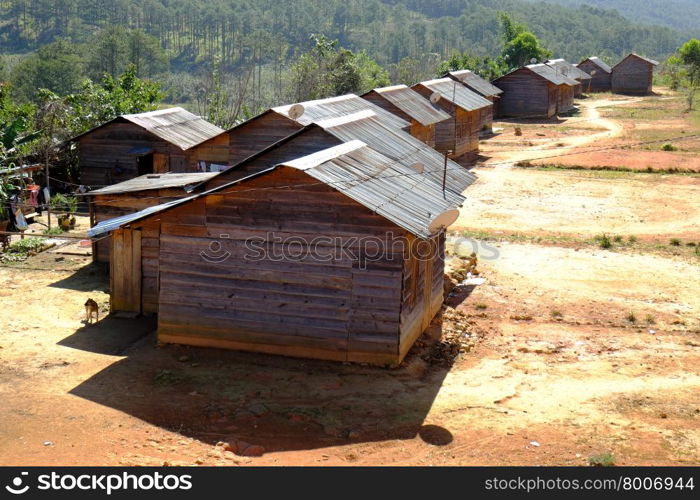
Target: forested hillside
272	30
683	15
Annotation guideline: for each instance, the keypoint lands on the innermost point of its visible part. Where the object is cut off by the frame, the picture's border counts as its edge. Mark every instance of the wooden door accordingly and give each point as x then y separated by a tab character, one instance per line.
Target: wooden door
160	163
125	271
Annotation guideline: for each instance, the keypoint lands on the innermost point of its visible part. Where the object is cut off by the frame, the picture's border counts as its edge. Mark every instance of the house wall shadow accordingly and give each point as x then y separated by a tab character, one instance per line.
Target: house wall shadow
94	276
110	335
272	401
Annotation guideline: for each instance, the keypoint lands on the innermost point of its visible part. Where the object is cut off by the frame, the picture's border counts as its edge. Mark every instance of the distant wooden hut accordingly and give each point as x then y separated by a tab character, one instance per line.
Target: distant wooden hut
601	74
409	105
157	142
564	67
633	75
265	129
134	195
459	137
482	87
281	262
535	91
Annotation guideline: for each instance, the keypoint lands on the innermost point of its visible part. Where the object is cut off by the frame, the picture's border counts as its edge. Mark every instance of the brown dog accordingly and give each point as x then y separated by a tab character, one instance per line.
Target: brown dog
90	308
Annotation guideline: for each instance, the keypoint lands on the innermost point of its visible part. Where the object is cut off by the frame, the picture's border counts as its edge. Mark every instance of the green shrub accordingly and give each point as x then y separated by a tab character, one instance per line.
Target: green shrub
602	460
675	242
632	239
54	231
631	317
62	203
617	239
604	241
668	147
27	246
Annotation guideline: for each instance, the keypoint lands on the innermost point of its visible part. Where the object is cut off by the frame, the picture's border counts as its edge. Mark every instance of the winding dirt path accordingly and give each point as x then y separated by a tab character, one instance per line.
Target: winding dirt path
557	146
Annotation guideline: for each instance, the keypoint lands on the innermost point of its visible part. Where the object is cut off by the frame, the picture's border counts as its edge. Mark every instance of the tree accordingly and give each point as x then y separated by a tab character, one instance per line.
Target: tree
329	70
684	67
57	67
521	49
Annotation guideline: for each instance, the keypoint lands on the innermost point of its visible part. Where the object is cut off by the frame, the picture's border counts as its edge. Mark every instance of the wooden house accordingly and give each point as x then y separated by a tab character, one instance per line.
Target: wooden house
633	75
275	124
409	105
535	91
600	72
157	142
482	87
134	195
426	164
336	255
458	137
564	67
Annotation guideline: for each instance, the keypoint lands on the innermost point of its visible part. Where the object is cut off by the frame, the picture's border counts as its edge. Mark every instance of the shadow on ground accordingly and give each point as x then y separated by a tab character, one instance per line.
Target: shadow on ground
94	276
110	335
276	402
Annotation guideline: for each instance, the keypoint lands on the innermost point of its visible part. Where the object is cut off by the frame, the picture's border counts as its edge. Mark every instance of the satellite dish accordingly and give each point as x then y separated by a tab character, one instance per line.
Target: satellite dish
565	71
533	60
435	97
444	220
295	111
418	167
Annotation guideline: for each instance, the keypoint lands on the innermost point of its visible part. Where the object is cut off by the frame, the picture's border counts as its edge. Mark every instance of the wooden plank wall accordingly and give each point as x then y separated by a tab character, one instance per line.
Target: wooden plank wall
633	76
308	307
566	99
259	133
525	95
600	80
422	293
114	205
125	271
424	133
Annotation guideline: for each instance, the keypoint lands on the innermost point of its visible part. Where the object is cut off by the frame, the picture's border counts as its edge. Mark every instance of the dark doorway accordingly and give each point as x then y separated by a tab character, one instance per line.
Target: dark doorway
145	164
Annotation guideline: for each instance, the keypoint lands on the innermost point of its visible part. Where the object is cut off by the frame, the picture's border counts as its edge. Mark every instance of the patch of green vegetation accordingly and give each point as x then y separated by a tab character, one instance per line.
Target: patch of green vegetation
608	171
481	306
632	239
617	239
165	378
602	460
650	319
556	314
631	317
604	241
669	147
54	231
675	242
22	249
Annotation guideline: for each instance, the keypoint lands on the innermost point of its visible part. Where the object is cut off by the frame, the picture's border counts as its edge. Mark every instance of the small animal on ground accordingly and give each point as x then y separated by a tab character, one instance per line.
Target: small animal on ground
91	308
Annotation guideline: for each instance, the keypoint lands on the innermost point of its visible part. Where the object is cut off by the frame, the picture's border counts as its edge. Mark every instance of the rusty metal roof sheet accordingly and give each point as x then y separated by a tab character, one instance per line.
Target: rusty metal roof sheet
550	74
400	146
156	181
174	125
413	104
645	59
564	67
476	83
457	94
598	62
385	186
333	107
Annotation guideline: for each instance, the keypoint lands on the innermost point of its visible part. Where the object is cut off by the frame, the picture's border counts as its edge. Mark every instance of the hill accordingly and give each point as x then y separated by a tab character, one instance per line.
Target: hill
683	15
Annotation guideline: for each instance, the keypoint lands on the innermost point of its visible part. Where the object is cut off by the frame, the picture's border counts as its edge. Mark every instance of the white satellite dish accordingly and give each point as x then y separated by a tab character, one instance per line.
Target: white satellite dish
296	111
418	167
444	220
435	97
533	60
565	71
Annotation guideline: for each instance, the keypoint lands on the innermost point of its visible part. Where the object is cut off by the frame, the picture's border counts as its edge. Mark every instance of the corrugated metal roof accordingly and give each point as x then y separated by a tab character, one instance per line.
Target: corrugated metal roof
156	181
646	59
548	73
476	83
399	146
174	125
385	186
413	104
110	225
598	62
565	68
332	107
177	126
457	94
